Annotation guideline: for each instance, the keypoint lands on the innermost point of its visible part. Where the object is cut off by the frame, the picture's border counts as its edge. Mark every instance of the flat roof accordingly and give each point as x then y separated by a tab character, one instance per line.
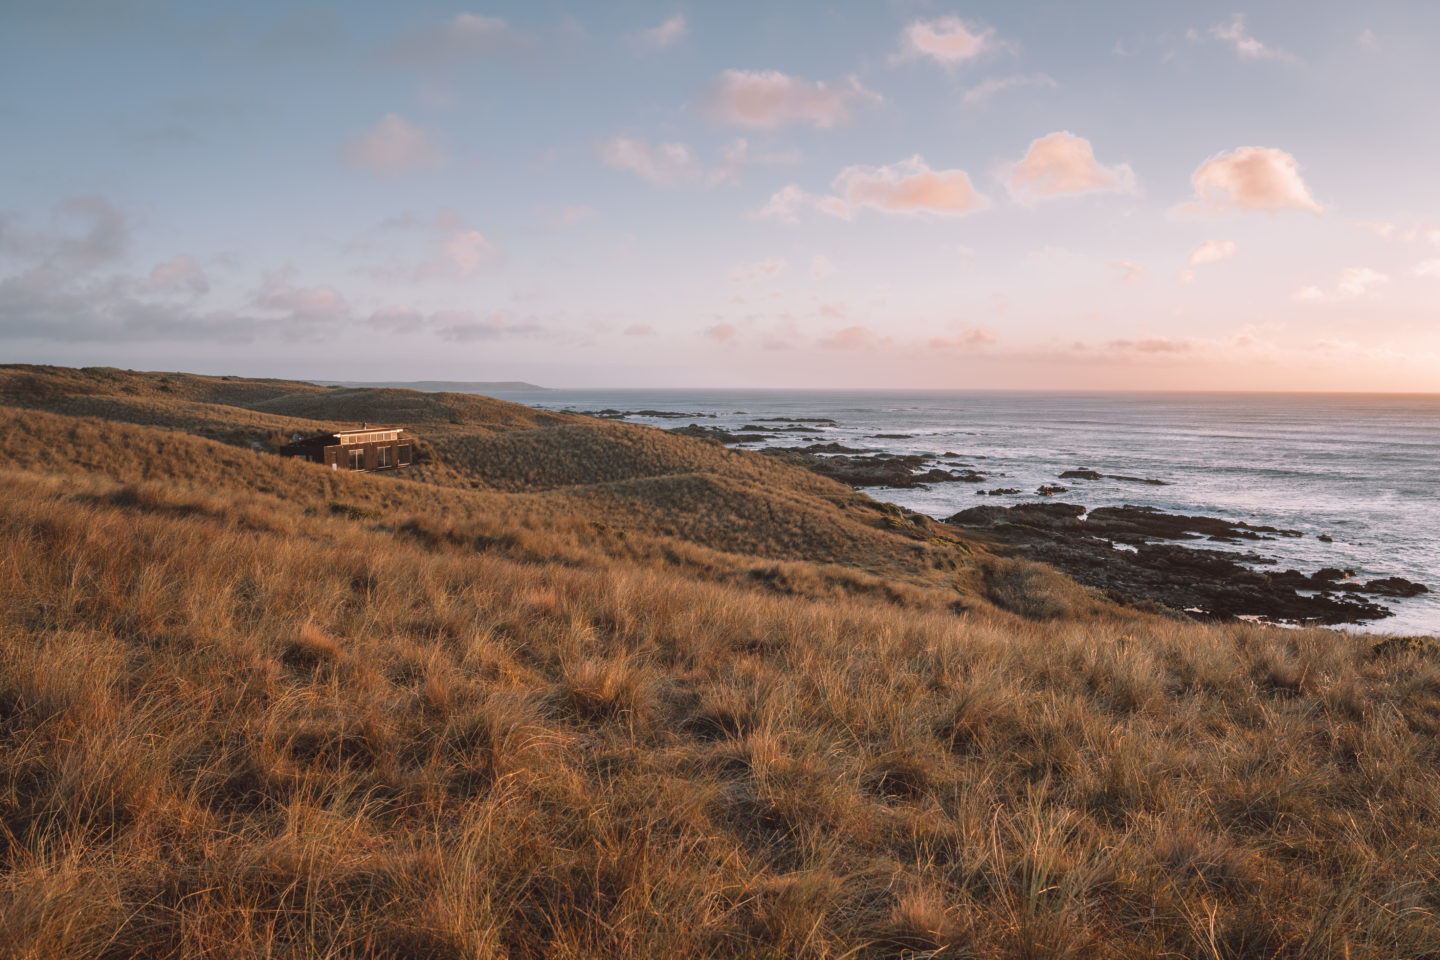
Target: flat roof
376	429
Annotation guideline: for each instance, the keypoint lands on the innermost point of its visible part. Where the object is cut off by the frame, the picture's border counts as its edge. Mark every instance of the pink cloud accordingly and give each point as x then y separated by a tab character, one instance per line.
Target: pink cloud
760	270
179	273
722	332
1062	164
1131	272
1251	178
853	337
308	303
395	146
1212	251
970	339
462	326
908	187
946	40
665	164
767	99
639	330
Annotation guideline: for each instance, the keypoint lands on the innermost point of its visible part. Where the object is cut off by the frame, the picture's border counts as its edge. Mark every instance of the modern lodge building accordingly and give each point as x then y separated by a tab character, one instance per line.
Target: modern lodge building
364	448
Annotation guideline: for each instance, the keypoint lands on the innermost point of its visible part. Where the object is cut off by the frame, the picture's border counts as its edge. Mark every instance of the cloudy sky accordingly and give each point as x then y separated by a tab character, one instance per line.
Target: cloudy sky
1129	195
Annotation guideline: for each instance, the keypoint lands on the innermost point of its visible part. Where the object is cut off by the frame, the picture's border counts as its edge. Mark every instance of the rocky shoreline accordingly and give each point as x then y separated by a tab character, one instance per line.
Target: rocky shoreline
1132	554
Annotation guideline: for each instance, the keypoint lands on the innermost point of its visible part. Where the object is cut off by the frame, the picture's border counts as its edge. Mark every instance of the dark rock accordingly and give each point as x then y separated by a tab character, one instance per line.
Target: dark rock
1325	538
1130	524
998	491
1083	474
1331	575
1051	489
824	420
831	447
986	516
1203	582
894	436
1394	587
874	470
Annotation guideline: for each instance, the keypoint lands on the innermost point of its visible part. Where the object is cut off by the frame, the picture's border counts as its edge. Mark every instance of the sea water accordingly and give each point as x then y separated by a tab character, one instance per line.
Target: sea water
1361	469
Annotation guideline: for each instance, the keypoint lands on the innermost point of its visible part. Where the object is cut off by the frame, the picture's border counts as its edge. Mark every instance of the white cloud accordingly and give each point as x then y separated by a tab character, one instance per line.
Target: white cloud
768	99
1062	164
1428	268
1250	178
946	40
988	89
1212	251
666	34
736	157
1246	46
820	267
747	273
1354	282
784	205
1357	281
395	146
665	164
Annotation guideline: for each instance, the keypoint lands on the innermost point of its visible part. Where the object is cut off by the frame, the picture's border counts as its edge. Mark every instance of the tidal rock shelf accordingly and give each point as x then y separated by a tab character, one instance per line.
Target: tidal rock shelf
1131	553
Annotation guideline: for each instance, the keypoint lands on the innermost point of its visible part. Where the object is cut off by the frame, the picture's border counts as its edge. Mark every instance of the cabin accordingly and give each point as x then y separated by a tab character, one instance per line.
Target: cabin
364	448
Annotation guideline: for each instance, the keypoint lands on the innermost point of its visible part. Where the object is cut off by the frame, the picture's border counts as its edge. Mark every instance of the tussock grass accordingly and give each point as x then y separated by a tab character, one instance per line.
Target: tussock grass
239	723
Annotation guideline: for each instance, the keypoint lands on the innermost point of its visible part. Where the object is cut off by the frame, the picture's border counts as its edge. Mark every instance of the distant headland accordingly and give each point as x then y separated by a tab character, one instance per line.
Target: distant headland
441	386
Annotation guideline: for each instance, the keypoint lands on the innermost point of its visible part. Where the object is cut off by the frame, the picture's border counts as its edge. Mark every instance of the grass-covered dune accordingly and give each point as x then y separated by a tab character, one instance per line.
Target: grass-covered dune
572	688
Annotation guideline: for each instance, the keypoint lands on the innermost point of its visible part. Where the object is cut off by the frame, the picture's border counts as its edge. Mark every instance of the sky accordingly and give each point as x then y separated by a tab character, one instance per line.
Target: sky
1051	195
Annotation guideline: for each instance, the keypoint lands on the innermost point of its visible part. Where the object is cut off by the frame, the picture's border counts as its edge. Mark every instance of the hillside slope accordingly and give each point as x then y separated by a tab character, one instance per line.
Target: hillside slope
663	700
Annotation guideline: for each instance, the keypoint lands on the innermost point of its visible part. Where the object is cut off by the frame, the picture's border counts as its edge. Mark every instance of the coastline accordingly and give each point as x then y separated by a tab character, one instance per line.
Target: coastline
902	447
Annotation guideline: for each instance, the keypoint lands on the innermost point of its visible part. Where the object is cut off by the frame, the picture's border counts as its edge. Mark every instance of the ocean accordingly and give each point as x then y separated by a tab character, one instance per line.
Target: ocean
1361	469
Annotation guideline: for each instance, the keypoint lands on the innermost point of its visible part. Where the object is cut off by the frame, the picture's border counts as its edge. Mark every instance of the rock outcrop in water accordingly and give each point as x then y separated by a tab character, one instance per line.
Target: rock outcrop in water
872	470
1080	473
1123	551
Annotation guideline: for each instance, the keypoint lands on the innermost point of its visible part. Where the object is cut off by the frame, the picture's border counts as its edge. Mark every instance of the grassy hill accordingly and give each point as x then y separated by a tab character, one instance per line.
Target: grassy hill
575	688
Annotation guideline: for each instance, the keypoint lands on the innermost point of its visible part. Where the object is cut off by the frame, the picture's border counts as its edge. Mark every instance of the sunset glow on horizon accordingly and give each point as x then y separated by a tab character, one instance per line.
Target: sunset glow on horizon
848	195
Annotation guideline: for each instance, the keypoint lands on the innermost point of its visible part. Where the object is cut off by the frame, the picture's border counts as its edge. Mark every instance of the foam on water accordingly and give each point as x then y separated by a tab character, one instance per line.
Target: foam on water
1360	468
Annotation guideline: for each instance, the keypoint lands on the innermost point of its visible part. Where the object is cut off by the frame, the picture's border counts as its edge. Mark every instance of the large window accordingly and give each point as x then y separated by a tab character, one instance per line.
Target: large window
384	457
403	451
357	458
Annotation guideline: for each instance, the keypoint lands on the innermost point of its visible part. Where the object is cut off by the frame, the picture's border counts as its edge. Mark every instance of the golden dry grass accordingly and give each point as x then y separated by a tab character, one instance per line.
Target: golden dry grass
249	722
